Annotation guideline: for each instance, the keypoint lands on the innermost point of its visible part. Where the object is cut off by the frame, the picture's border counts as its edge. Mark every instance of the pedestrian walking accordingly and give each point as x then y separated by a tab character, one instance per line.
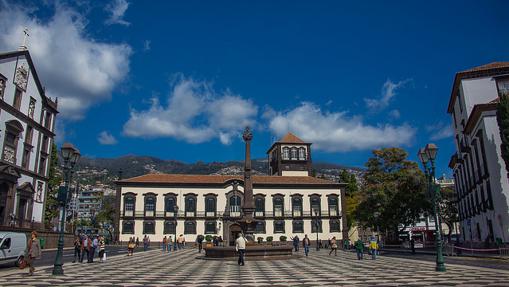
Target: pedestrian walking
305	243
146	242
296	241
102	248
346	244
215	241
199	240
240	247
359	248
77	248
373	247
130	246
333	246
95	245
34	252
180	242
84	248
169	242
137	242
164	244
412	245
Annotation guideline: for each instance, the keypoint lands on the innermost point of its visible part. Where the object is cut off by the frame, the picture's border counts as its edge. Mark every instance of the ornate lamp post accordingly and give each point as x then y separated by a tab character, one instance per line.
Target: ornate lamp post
317	229
427	157
70	155
176	209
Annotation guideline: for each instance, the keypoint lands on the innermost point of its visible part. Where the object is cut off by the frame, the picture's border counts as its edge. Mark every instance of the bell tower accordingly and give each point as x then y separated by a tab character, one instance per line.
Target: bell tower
290	156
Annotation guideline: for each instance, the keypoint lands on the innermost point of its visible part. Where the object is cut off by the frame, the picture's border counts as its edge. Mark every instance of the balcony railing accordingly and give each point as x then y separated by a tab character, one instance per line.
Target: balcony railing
287	214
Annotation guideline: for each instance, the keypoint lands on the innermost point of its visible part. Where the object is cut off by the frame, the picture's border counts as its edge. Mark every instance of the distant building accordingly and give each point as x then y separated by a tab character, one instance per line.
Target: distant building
480	173
288	202
89	203
27	124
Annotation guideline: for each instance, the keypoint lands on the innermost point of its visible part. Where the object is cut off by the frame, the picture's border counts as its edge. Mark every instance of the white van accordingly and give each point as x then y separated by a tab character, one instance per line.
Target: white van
12	247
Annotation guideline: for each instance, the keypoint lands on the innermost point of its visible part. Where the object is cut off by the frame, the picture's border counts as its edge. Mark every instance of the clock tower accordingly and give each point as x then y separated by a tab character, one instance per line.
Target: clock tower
290	156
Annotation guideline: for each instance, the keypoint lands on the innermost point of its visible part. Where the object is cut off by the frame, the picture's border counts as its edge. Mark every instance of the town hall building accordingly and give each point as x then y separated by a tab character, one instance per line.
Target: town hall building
288	201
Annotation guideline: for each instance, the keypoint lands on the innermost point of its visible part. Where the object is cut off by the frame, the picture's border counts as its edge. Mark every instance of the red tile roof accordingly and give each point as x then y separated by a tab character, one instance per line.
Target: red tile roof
491	69
290	138
221	179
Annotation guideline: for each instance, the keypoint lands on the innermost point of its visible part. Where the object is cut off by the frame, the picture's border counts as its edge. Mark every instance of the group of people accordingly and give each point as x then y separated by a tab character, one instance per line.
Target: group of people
373	248
89	245
167	243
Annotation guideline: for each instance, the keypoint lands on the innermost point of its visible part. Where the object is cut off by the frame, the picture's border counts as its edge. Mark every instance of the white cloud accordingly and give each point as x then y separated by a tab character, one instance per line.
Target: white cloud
146	45
388	92
336	132
117	9
74	67
106	138
440	131
395	114
195	113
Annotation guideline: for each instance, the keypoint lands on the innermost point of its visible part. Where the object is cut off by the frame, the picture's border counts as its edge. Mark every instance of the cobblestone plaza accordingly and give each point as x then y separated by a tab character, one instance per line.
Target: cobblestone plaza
188	268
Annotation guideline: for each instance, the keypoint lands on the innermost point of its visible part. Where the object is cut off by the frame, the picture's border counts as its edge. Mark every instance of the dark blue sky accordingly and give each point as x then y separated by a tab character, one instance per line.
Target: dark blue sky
282	57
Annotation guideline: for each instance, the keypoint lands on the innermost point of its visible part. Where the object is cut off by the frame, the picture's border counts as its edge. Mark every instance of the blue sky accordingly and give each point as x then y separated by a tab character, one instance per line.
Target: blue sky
180	79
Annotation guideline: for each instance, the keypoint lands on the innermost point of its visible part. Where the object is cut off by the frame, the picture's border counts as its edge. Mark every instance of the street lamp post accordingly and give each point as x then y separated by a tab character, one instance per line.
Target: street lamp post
317	229
176	209
70	155
427	157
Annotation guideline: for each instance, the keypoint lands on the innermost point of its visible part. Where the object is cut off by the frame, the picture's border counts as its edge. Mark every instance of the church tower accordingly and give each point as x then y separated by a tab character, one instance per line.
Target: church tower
290	156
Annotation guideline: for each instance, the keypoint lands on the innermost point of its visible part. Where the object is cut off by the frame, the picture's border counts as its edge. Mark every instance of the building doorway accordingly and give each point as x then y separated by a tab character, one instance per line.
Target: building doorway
234	232
4	189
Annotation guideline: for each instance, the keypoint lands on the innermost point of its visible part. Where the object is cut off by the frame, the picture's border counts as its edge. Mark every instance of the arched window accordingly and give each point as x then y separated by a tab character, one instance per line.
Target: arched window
169	227
235	205
129	204
278	202
286	153
210	227
333	205
302	153
190	227
190	205
294	154
279	226
150	205
335	225
210	206
13	130
298	226
260	227
315	205
128	227
149	227
169	205
297	206
259	206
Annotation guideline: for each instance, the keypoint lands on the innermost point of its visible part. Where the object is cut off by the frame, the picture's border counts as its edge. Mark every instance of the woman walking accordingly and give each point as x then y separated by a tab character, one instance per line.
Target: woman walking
34	252
333	246
102	247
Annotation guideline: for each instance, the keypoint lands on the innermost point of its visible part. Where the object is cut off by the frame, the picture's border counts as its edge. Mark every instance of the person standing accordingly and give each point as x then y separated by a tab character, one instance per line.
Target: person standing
412	245
359	248
164	244
180	241
296	241
199	240
77	248
346	244
34	252
305	244
373	247
169	242
130	247
86	248
102	248
240	247
137	241
95	245
333	246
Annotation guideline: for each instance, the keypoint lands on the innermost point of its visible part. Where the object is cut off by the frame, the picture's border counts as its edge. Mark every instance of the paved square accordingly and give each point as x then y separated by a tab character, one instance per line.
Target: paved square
185	268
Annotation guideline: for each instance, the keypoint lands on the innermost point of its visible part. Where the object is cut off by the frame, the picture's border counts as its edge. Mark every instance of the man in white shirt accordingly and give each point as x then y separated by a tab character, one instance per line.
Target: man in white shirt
240	247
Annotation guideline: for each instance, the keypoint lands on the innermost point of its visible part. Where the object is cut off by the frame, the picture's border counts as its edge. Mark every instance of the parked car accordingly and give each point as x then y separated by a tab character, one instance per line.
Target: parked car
12	247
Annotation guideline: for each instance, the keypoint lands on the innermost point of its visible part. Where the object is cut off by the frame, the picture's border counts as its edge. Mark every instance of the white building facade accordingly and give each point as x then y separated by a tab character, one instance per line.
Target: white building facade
480	174
27	121
288	205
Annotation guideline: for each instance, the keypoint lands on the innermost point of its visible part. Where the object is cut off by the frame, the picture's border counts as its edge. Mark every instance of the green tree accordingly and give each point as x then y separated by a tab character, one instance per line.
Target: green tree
503	125
55	179
352	195
449	208
106	216
393	192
